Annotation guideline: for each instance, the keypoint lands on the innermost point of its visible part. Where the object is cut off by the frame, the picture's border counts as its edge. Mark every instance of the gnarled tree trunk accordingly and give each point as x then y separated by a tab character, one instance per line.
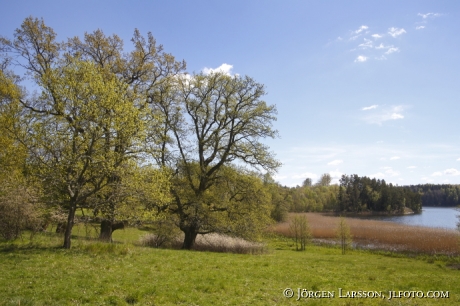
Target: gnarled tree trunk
108	227
189	238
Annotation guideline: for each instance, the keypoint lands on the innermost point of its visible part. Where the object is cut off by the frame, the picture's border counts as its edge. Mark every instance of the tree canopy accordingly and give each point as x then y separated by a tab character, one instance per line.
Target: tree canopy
210	122
123	133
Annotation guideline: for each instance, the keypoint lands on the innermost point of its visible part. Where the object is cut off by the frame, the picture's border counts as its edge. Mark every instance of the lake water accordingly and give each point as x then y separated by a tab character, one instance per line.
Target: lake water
445	217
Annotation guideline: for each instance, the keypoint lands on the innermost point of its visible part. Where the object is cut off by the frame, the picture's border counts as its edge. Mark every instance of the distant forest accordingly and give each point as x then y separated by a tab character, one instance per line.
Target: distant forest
438	195
363	194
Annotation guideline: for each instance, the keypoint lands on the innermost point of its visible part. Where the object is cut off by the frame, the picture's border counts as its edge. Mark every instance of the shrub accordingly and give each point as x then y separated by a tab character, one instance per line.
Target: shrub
300	231
19	210
343	235
164	234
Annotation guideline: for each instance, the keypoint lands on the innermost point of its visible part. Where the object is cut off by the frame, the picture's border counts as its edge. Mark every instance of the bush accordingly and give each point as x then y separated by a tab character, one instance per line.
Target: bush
19	210
343	235
300	231
164	234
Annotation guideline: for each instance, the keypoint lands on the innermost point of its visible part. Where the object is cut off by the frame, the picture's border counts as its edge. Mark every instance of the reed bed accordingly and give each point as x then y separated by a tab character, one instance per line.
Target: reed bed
382	235
212	243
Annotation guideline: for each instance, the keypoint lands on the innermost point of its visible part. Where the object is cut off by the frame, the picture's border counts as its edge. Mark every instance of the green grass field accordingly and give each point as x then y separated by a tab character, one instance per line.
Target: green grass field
39	272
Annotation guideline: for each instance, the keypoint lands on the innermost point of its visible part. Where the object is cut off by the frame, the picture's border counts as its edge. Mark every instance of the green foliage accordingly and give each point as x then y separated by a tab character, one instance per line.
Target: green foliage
357	194
102	113
438	195
324	180
20	209
210	122
315	198
90	121
19	205
237	203
307	182
280	198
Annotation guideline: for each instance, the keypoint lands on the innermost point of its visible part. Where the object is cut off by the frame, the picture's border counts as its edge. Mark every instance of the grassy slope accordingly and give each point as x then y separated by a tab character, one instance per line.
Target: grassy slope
113	274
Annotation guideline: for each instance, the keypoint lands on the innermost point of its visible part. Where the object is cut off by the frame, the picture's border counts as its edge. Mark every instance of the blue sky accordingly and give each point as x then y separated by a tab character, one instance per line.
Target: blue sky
361	87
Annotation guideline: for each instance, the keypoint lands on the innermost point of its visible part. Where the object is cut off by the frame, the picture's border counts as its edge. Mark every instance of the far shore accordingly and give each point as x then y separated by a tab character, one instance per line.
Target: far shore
407	211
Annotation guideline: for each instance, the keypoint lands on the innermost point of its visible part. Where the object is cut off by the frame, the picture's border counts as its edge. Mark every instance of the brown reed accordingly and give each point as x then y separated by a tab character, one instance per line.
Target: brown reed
382	235
210	242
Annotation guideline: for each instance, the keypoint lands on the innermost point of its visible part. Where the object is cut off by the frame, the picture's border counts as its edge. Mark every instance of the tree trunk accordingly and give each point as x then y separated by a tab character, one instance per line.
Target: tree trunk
69	226
108	227
189	239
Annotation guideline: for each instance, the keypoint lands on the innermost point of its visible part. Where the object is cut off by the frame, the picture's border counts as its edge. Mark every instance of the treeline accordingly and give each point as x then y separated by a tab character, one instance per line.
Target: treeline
354	194
438	195
359	194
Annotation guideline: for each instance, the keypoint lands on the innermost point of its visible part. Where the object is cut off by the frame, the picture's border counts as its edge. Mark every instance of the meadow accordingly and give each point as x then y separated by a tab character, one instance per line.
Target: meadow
38	271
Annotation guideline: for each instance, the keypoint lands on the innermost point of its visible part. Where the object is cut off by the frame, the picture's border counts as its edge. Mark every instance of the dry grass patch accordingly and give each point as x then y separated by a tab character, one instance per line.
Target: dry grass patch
212	243
382	234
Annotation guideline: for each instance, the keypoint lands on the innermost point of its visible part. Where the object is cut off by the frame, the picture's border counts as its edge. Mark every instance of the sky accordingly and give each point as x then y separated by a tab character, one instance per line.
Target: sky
361	87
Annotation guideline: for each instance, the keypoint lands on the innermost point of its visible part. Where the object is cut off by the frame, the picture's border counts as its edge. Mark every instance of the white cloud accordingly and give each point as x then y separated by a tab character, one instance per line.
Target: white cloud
376	36
335	162
429	15
377	175
392	172
279	177
395	158
419	27
361	29
458	159
361	59
355	37
305	175
452	171
437	173
396	116
335	174
224	68
426	179
385	114
392	50
411	167
395	31
367	44
371	107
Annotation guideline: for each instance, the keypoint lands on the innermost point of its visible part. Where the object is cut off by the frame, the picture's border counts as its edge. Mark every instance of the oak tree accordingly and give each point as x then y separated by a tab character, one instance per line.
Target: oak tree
92	102
211	122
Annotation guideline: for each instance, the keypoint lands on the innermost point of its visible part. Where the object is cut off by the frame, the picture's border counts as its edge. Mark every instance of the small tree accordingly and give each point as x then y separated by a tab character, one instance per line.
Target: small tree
307	182
300	231
324	180
343	235
19	207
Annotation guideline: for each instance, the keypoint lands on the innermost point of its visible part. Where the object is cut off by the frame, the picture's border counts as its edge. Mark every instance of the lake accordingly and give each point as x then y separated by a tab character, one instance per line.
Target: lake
445	217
